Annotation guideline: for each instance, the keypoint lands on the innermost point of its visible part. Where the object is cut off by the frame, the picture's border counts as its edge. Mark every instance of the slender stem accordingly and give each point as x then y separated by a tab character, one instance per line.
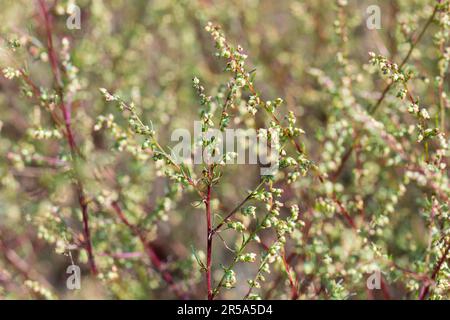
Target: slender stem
375	107
426	287
66	111
161	150
86	230
293	282
241	249
346	156
344	212
232	212
235	260
272	114
208	242
385	289
279	278
441	88
406	58
151	253
250	290
37	95
21	265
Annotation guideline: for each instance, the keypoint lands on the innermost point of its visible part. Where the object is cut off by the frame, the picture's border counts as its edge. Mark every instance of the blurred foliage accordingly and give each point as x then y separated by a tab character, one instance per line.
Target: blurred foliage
365	189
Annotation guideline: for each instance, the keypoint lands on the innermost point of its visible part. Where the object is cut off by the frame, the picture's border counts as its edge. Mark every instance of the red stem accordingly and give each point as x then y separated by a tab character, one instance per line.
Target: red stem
66	111
21	265
86	230
151	253
293	283
51	51
345	213
426	287
208	242
385	289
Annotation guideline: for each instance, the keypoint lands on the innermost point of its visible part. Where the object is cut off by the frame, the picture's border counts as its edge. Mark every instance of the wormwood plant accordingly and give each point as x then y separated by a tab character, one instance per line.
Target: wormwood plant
91	176
219	108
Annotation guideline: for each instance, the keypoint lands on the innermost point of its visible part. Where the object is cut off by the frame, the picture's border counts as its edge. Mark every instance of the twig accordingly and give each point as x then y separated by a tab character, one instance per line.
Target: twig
20	265
375	107
426	287
208	242
293	282
66	111
232	212
152	255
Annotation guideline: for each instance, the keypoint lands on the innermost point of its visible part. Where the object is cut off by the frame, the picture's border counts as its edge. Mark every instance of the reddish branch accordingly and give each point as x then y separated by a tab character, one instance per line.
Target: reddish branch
293	282
385	289
37	95
20	265
152	255
278	279
66	111
345	213
208	242
426	287
375	107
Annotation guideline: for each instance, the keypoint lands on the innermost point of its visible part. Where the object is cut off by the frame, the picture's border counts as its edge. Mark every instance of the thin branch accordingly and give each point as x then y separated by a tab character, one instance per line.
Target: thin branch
293	282
232	212
151	253
21	266
66	111
426	287
375	107
208	242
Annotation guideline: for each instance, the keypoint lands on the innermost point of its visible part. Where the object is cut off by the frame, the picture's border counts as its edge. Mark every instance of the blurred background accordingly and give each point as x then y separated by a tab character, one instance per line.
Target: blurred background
313	54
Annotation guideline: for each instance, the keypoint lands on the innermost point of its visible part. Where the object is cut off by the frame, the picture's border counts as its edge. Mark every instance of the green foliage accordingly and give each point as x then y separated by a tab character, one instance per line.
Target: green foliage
88	177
